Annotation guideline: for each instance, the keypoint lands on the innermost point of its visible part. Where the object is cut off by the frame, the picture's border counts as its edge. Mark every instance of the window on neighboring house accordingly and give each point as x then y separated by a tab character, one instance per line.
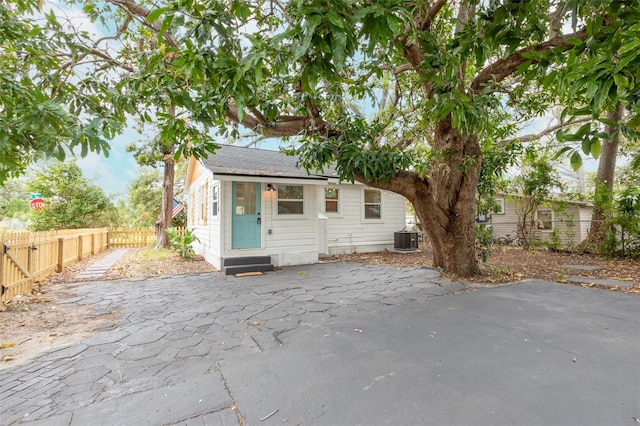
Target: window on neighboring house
214	201
331	200
545	219
372	204
290	199
203	193
499	206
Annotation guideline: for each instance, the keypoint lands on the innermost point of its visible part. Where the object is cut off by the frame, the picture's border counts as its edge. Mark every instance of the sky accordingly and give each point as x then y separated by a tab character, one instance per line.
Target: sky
115	173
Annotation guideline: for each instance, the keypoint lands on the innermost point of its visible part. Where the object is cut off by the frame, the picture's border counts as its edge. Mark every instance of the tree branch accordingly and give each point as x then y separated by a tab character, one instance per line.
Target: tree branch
535	136
431	15
555	21
465	14
138	11
118	33
282	127
503	68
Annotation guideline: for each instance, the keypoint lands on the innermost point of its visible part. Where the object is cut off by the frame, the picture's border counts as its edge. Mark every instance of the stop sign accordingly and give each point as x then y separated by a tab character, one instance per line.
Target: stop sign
36	204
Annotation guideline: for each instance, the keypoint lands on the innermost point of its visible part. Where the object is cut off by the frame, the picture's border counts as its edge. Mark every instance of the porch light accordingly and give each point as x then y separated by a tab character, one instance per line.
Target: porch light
270	188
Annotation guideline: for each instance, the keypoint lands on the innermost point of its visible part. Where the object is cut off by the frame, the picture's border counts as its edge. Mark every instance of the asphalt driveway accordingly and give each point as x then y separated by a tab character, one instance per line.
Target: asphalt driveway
338	344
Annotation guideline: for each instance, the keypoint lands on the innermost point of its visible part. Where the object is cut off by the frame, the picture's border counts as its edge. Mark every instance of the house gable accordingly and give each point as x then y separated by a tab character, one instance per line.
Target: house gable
195	171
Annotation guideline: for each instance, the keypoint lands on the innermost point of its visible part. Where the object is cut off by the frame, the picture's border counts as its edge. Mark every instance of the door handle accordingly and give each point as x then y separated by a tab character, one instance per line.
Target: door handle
259	221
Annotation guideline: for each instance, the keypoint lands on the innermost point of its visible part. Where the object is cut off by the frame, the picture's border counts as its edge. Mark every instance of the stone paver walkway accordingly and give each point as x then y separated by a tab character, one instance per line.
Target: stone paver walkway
99	267
173	332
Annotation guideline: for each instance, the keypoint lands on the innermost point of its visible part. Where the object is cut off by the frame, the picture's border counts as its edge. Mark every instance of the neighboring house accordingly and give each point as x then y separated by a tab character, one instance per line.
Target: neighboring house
246	202
568	220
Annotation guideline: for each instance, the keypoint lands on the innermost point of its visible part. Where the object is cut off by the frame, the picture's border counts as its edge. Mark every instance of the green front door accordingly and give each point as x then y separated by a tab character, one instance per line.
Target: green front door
245	221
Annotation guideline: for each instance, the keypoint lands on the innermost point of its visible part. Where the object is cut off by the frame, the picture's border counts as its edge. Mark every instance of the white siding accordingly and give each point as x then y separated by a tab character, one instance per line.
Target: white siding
507	223
297	239
292	240
208	235
585	221
349	232
565	226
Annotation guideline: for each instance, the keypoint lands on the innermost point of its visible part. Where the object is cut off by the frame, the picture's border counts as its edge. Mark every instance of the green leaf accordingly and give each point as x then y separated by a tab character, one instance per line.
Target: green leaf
561	152
304	80
51	18
622	83
632	46
394	23
596	148
258	72
601	97
576	161
338	48
309	30
335	20
594	25
583	130
156	13
592	89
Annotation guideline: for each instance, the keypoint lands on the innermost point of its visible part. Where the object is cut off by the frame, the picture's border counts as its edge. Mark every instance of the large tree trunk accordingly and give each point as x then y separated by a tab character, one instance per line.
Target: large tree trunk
454	194
604	177
445	200
162	239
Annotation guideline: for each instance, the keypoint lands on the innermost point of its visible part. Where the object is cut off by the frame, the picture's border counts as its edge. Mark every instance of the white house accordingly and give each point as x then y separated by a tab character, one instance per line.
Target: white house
246	203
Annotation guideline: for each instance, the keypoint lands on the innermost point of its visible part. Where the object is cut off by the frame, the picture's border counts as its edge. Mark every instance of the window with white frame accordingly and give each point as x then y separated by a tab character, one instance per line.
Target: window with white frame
331	198
499	207
372	204
290	199
545	219
214	200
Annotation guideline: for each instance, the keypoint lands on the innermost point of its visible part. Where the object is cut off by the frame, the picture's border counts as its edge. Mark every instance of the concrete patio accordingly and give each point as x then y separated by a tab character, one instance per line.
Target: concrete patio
337	344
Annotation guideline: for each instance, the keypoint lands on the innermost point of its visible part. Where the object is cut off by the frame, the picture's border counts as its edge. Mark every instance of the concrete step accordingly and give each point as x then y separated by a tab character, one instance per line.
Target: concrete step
237	269
251	260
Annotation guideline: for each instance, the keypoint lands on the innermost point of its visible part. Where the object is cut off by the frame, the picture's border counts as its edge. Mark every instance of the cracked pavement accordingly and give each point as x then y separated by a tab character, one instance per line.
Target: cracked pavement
336	343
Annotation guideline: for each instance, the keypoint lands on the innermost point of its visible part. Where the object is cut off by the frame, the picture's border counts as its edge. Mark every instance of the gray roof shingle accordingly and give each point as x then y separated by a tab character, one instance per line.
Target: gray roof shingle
241	161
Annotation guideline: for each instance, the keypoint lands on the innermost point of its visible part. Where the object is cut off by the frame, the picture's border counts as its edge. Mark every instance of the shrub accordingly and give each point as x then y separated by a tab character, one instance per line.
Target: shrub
181	243
484	241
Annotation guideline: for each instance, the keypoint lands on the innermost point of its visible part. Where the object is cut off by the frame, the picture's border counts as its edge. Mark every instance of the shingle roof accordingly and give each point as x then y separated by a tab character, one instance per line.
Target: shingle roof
241	161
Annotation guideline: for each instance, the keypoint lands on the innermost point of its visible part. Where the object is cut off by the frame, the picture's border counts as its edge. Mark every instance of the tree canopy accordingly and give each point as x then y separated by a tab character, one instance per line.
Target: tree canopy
46	108
407	96
71	200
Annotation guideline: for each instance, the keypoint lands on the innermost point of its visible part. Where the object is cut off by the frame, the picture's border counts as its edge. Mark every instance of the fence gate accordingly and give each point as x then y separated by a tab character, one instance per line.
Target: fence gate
14	272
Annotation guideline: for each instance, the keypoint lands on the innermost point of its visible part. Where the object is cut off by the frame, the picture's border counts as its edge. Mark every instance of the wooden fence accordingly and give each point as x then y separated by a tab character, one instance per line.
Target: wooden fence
28	257
131	237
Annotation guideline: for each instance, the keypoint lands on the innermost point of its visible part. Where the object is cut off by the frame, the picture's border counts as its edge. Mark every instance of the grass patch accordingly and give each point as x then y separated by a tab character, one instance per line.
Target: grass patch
154	254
